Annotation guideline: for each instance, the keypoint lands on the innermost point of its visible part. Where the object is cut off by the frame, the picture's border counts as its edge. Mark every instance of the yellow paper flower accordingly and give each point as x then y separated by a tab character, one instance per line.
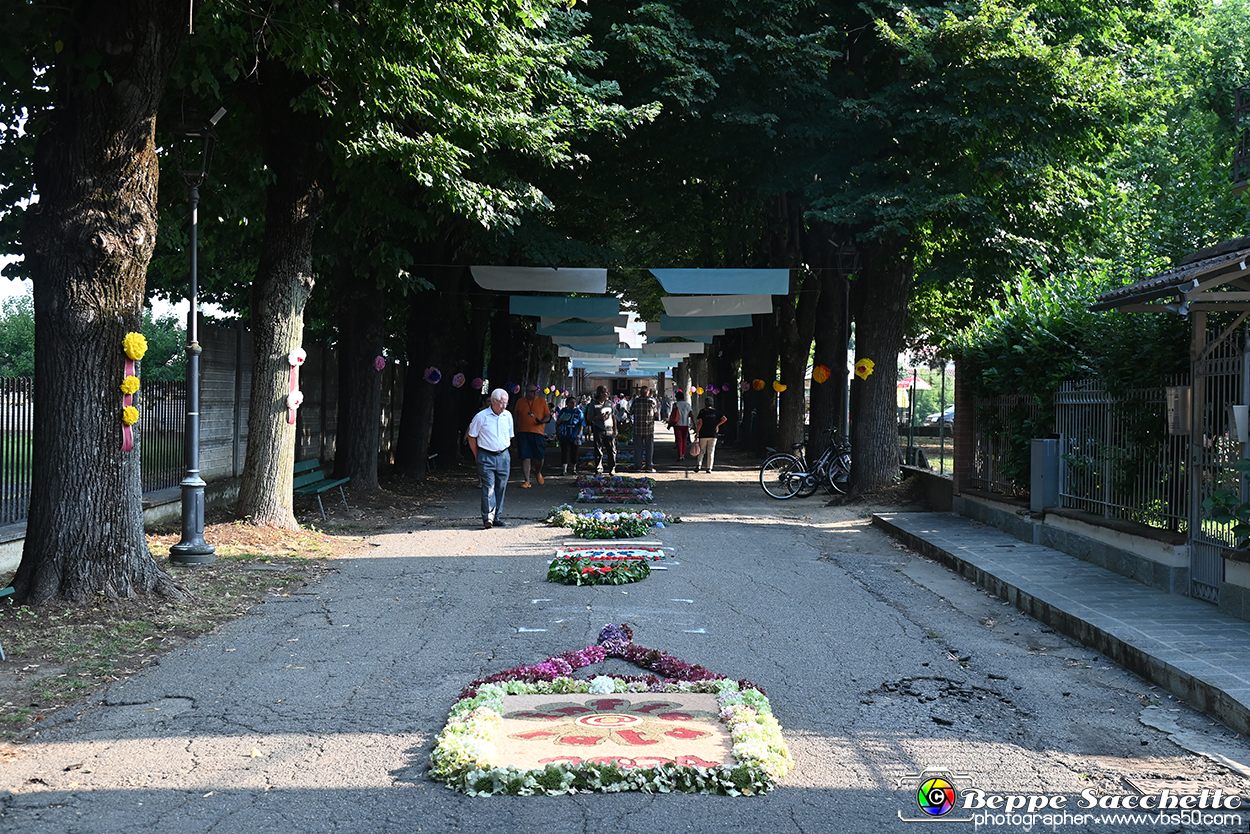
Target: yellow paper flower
821	373
130	415
546	390
699	390
135	345
130	385
778	387
863	368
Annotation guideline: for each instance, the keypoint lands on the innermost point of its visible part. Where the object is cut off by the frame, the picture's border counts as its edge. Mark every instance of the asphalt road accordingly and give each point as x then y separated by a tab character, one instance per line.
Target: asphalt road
317	712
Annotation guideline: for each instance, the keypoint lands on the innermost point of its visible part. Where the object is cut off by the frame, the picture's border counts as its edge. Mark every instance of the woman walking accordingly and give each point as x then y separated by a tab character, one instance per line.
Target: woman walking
679	422
569	430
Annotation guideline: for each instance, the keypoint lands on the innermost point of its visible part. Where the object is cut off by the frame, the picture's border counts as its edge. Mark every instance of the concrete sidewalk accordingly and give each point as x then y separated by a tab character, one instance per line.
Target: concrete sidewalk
1188	647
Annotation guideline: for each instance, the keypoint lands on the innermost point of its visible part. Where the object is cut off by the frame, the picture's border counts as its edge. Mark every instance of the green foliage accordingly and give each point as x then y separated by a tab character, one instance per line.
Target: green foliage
166	359
1225	507
17	336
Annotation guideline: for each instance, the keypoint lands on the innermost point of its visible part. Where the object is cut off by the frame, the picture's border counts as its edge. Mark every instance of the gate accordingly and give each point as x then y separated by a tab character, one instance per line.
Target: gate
1218	382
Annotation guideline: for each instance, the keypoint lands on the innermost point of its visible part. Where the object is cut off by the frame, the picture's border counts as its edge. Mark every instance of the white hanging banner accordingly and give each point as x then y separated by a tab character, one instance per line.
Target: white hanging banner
540	279
717	305
724	281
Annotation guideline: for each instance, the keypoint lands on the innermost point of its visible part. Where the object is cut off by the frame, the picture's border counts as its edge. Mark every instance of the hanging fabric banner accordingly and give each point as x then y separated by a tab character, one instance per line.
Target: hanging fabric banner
611	321
724	281
554	306
577	328
704	322
540	279
718	305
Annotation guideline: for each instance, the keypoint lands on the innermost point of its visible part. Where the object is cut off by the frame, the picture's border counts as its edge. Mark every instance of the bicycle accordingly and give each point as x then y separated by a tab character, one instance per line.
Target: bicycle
787	474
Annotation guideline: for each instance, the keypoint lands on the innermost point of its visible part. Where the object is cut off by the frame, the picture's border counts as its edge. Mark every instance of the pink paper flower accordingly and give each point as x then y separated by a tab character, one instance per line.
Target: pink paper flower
458	380
379	363
477	383
433	375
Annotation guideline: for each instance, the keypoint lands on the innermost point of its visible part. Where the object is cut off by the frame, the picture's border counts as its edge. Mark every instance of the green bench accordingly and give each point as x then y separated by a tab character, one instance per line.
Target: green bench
311	479
4	592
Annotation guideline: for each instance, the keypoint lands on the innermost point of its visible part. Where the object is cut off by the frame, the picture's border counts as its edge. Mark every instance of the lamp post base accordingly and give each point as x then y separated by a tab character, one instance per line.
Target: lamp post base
192	550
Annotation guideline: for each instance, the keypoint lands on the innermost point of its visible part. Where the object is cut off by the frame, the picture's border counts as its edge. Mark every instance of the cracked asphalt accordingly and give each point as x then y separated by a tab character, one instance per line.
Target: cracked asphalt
317	711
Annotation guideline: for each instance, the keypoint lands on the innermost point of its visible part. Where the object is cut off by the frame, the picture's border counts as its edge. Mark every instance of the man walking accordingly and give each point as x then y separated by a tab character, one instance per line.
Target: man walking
602	421
644	412
532	416
490	435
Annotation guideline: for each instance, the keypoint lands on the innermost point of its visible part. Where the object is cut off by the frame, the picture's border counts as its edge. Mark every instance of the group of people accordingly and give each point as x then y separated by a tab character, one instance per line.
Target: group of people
493	429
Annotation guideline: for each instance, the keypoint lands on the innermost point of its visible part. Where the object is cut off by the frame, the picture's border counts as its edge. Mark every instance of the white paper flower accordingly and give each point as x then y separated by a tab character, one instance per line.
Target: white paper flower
295	399
297	357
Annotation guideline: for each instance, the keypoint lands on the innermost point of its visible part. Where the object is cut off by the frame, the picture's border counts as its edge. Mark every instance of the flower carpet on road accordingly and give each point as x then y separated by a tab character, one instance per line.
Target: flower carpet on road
614	495
597	524
602	565
539	730
620	481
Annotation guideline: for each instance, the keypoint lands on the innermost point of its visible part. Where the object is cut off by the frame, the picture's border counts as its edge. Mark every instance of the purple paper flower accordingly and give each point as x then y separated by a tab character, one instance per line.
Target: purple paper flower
746	386
433	375
379	363
477	383
514	388
458	380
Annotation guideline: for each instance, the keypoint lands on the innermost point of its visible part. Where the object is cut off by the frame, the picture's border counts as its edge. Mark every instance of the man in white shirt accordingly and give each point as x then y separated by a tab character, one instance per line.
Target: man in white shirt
490	435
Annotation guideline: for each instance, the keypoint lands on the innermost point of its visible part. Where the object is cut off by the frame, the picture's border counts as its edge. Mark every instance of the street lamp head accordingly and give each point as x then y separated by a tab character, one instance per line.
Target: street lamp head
194	146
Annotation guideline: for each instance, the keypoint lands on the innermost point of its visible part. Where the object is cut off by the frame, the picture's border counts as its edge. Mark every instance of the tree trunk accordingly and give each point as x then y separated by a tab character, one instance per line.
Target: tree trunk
87	243
879	301
796	322
759	361
362	331
294	151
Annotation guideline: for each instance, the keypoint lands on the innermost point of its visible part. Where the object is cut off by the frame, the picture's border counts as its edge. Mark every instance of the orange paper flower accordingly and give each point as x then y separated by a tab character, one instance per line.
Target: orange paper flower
778	387
757	384
821	373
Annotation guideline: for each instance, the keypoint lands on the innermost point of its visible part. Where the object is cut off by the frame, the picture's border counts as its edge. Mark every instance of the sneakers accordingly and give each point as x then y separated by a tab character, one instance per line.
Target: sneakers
499	523
538	476
486	524
652	469
525	484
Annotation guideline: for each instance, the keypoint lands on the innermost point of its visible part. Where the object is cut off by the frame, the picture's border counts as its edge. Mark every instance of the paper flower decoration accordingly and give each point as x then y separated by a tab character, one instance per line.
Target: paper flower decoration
778	387
820	373
296	357
432	375
746	386
379	363
699	390
712	389
458	380
130	384
134	345
514	388
130	415
547	390
295	399
757	384
864	367
477	383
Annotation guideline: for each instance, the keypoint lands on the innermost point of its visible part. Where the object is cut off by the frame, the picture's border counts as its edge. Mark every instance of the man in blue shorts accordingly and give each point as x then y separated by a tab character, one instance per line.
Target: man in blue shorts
532	414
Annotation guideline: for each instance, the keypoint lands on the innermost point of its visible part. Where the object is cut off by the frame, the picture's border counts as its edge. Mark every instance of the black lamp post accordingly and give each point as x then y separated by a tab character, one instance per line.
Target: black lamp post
195	138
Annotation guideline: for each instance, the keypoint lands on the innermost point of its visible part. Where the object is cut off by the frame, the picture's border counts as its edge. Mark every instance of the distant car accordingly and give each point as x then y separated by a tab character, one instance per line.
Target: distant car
947	417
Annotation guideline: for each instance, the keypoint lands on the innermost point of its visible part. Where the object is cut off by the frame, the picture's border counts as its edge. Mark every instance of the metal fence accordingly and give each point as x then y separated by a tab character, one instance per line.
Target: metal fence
1118	459
160	440
17	425
1000	438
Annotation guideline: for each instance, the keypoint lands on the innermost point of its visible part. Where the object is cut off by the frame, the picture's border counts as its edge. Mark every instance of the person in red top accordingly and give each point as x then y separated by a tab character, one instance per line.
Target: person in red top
531	415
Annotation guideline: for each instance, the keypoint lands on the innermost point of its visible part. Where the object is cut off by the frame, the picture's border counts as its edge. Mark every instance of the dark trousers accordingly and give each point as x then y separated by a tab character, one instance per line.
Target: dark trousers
568	454
605	451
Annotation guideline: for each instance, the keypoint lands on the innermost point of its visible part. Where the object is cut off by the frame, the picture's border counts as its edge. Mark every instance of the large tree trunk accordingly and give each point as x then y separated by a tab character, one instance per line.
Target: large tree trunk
796	322
87	243
361	317
759	361
879	300
293	146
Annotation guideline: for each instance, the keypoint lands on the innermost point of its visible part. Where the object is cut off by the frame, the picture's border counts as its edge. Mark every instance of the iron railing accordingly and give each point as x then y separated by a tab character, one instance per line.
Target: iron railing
162	407
1119	461
1000	464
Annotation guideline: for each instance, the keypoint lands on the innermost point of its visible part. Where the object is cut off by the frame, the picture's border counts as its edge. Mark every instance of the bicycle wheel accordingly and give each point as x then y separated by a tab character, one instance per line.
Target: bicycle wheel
781	475
808	483
836	477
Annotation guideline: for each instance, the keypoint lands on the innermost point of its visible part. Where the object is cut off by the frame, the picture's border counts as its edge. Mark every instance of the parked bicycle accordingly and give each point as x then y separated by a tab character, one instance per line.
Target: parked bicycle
787	474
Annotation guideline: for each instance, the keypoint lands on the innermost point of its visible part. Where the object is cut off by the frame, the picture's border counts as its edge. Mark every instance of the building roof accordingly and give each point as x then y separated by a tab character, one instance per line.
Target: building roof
1197	283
